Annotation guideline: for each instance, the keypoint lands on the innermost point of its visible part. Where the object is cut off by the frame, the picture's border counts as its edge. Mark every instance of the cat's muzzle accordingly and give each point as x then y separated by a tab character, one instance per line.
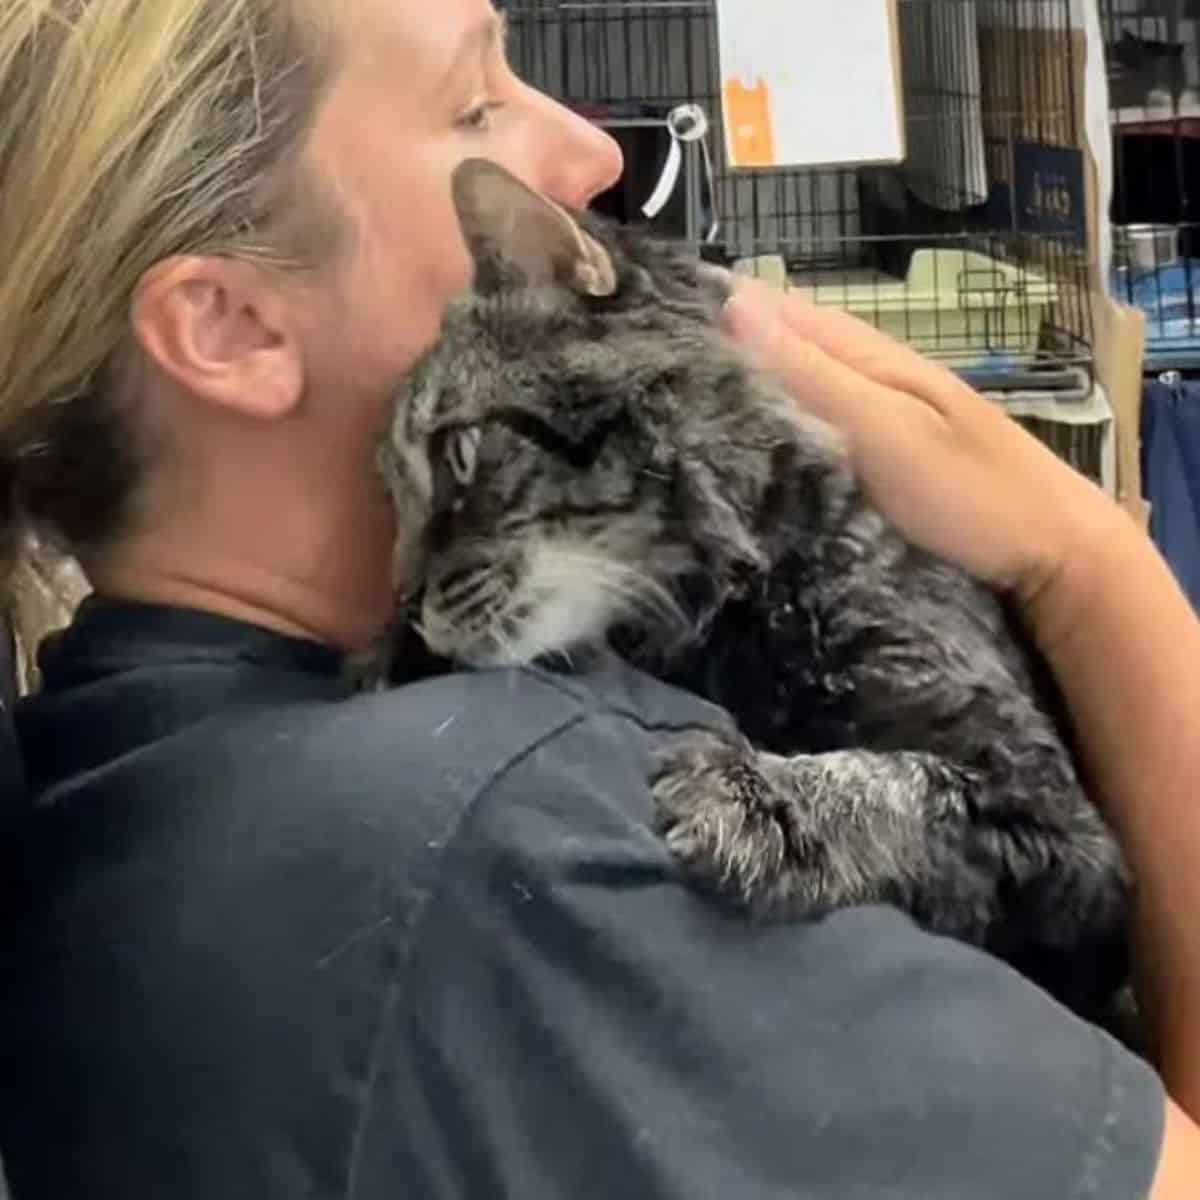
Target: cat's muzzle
465	609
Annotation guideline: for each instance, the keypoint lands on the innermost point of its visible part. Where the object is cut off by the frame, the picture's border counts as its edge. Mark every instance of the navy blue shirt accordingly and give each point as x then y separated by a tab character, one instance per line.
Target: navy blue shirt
265	939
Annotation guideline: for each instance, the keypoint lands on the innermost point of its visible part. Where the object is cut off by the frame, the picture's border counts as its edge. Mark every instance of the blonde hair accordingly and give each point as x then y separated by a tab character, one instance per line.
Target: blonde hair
130	131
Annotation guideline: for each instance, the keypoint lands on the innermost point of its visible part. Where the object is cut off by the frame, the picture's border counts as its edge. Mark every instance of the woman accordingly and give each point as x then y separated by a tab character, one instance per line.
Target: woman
266	939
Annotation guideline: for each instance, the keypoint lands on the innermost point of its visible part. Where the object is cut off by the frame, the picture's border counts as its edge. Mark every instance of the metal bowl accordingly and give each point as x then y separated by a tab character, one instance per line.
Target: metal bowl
1145	247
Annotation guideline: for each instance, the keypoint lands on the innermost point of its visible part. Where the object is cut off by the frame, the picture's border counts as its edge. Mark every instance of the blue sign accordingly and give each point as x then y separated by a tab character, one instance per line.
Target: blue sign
1048	191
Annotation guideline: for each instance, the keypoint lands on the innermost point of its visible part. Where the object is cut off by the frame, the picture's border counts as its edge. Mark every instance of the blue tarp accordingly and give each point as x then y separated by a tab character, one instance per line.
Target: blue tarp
1171	476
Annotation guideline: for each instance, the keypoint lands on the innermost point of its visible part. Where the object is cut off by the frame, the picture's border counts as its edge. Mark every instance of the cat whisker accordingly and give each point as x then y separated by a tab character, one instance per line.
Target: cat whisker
463	588
636	592
508	654
465	614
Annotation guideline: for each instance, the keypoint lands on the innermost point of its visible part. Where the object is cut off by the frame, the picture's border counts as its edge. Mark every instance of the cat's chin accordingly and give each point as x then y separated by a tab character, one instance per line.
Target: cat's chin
502	657
555	629
564	596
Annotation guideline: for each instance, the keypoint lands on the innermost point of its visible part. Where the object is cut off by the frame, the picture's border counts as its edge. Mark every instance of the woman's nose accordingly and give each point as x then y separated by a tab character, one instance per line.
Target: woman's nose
578	160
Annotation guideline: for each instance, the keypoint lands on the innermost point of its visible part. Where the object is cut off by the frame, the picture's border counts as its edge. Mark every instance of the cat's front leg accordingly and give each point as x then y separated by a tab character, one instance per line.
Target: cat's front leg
788	837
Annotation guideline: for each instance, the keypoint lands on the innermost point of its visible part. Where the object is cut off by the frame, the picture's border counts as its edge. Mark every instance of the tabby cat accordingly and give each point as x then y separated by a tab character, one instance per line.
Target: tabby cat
588	462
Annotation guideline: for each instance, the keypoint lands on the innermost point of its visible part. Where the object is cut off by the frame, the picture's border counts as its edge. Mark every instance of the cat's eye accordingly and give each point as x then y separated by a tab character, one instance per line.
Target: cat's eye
462	453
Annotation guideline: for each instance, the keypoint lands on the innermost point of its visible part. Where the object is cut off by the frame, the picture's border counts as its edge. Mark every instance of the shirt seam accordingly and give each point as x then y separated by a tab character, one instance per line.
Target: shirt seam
1100	1150
629	712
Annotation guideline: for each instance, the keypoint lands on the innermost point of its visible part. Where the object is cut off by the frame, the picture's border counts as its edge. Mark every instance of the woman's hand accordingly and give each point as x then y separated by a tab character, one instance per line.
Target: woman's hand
957	476
948	467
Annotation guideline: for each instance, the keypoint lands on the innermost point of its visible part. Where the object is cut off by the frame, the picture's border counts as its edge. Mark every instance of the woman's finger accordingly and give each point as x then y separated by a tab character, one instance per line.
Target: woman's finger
955	475
819	382
845	338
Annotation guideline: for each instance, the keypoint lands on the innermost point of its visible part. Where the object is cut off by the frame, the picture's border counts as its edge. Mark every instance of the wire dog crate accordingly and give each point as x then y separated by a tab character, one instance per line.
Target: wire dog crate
1153	54
974	249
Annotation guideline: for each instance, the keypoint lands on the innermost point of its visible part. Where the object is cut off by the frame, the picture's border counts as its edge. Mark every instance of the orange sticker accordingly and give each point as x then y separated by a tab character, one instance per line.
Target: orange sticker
748	113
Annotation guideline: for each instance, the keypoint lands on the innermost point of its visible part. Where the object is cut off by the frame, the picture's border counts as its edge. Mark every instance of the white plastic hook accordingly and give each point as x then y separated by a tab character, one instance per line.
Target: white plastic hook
685	123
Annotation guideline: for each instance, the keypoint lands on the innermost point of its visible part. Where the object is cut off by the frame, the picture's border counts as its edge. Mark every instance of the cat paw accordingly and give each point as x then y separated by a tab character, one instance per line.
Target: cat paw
727	825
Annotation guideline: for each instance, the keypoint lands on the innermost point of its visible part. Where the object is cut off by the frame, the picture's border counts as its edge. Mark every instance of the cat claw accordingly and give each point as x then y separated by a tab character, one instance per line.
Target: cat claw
724	822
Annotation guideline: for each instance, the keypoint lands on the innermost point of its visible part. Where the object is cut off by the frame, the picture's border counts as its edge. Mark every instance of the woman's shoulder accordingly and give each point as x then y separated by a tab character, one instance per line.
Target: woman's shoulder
437	748
450	738
192	749
460	879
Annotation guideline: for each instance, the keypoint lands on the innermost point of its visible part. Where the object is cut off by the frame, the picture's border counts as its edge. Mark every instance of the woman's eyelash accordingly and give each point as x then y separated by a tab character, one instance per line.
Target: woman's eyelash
476	117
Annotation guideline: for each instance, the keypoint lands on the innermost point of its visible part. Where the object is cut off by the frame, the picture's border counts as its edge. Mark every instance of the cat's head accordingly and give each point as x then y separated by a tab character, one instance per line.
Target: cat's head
538	453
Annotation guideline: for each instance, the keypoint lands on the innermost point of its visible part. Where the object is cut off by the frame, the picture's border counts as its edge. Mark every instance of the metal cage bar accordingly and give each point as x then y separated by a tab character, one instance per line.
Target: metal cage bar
1153	54
975	249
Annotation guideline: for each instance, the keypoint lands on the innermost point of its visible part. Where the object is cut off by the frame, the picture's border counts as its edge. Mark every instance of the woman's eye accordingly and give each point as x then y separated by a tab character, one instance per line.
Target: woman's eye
462	453
478	118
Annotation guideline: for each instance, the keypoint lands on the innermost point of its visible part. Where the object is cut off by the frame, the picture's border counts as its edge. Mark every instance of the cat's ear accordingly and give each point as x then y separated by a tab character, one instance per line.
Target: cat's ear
510	229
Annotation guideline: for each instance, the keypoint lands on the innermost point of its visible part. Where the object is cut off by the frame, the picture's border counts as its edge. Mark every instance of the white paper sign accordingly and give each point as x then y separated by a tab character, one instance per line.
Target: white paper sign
809	82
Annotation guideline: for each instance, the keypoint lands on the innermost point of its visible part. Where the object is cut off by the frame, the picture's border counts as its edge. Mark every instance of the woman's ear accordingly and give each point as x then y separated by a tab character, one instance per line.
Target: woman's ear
222	330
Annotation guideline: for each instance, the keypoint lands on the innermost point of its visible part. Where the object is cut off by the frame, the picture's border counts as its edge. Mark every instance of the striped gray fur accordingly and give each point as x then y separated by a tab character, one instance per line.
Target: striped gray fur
584	460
